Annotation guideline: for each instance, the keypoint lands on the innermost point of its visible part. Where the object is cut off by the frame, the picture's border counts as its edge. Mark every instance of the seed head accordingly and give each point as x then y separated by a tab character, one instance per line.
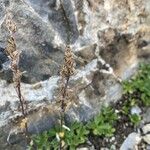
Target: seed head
68	67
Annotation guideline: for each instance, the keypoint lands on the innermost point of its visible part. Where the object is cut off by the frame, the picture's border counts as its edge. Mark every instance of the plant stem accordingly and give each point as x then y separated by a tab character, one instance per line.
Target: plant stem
63	105
20	99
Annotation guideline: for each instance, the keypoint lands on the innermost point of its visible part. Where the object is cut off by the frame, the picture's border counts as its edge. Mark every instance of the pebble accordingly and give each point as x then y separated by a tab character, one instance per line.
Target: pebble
146	138
112	139
113	147
107	140
104	148
146	128
86	148
131	141
37	86
116	111
83	148
136	110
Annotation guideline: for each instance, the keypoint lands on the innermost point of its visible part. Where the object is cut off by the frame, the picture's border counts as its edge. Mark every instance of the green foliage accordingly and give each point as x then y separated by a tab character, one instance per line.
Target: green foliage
135	119
128	105
46	140
128	87
77	133
140	83
76	136
102	124
70	138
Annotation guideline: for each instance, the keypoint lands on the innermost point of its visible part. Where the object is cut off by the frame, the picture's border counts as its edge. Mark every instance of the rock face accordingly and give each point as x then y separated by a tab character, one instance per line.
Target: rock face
107	38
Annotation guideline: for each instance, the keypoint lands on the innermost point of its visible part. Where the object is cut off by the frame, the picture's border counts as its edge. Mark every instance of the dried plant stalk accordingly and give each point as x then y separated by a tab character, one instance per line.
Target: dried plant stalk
66	72
13	54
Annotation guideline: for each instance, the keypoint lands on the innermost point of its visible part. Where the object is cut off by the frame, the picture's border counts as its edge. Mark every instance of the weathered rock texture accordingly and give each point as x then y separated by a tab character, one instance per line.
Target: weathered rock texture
107	37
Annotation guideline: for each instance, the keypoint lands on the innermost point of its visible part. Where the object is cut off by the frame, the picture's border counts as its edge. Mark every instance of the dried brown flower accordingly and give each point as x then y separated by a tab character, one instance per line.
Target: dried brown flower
65	97
68	67
14	54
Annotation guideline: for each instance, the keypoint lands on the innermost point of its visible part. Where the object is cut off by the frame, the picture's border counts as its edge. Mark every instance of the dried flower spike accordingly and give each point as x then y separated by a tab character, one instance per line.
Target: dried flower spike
13	54
68	67
23	123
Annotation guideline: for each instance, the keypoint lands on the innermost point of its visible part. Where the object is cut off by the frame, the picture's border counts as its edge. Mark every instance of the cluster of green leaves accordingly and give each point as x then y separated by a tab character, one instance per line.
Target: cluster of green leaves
134	118
140	83
102	124
77	134
69	138
127	105
43	141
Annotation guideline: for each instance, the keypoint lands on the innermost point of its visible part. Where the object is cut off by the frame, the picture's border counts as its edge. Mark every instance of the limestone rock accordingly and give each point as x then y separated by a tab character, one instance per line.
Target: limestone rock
131	142
146	128
107	37
146	138
42	33
35	41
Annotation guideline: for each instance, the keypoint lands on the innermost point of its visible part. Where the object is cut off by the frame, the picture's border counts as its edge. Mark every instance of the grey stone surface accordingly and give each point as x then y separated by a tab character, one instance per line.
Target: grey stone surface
42	34
35	41
3	58
131	142
146	128
146	138
106	38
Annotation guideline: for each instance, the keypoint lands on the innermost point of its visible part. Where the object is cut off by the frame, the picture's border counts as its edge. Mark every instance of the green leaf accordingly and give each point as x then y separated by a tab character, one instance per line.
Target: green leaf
135	119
